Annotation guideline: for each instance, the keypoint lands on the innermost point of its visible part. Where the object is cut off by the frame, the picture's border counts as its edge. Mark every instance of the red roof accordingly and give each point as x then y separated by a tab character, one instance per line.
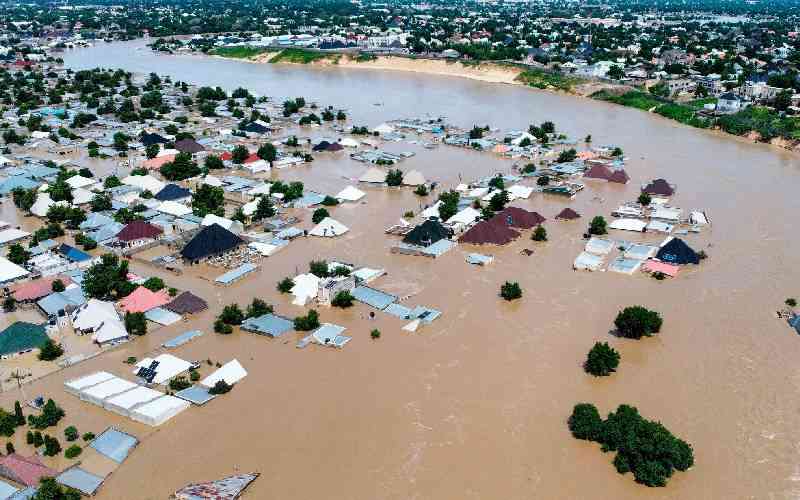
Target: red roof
143	299
252	158
139	230
24	470
519	218
489	231
37	289
226	156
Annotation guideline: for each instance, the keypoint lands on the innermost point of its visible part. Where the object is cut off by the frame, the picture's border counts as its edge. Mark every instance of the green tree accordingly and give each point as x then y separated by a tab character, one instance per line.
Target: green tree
18	254
214	162
50	350
308	322
285	285
221	387
135	323
598	225
567	156
644	199
375	334
73	451
208	200
232	315
394	177
510	291
498	201
151	150
343	299
239	154
318	215
602	360
585	422
58	286
258	308
154	284
49	489
635	322
616	72
100	203
71	433
20	418
267	152
181	168
539	234
319	268
51	446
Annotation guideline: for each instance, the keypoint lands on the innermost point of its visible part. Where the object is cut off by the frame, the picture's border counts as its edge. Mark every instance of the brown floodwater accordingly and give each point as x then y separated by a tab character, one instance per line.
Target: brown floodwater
474	406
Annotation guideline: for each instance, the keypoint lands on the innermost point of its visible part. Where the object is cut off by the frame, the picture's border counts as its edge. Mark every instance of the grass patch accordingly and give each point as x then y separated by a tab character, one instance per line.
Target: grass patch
699	103
238	52
543	79
362	57
766	122
632	99
298	56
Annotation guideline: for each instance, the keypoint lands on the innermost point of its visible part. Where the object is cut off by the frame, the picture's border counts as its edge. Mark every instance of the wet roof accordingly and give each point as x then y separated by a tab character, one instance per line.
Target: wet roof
114	444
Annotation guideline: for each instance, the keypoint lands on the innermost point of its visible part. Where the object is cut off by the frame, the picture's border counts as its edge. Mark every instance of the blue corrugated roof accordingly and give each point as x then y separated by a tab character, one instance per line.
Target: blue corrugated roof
6	490
371	297
196	395
236	274
268	324
73	254
18	181
182	339
56	302
114	444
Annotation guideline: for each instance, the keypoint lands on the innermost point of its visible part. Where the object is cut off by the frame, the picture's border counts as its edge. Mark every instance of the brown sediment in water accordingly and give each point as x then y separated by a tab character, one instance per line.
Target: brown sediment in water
475	404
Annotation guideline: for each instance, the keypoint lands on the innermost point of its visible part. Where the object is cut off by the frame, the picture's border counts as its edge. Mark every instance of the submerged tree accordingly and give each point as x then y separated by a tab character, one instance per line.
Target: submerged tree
635	322
602	360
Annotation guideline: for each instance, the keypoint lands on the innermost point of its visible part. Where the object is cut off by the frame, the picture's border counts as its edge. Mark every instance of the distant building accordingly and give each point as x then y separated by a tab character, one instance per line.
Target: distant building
729	103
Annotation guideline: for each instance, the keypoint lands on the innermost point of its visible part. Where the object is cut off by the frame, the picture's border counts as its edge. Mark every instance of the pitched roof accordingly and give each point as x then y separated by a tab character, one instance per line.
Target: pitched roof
21	336
172	192
138	230
427	233
187	303
148	139
143	299
189	146
567	214
676	251
520	218
228	488
598	172
619	176
489	231
157	162
211	240
24	470
37	289
659	187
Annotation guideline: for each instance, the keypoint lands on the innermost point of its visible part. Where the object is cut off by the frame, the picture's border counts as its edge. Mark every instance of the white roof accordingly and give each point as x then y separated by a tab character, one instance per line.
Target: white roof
124	402
466	216
81	196
669	214
231	372
250	208
10	271
329	228
74	386
628	225
159	410
660	226
12	234
231	225
92	314
104	390
587	261
414	178
78	181
260	189
168	367
110	331
373	175
698	218
477	192
4	160
173	208
43	203
518	191
257	166
167	152
350	193
265	249
144	182
599	246
348	142
212	181
431	211
305	288
383	128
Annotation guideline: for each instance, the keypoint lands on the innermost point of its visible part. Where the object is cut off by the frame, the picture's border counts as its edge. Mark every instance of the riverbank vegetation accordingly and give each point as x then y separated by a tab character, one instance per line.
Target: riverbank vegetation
300	56
242	52
543	79
644	447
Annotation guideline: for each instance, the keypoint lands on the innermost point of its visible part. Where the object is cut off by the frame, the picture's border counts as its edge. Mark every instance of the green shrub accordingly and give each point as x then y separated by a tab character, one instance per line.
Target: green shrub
636	322
602	360
73	451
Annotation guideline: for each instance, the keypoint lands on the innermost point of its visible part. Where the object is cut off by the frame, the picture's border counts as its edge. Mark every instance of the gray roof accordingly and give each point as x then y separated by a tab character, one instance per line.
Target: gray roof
56	302
196	395
182	338
85	482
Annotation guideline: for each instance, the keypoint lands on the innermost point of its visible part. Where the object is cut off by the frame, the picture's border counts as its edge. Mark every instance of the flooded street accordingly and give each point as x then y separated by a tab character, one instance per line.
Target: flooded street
474	405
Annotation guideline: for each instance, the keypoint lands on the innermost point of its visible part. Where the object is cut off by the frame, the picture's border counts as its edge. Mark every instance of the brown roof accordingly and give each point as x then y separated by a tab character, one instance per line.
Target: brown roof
189	146
619	176
659	187
138	230
598	172
24	470
187	303
568	214
519	218
490	231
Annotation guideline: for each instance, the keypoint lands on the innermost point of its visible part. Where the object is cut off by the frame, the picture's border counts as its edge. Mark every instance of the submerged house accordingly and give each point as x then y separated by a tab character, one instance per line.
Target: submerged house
659	187
428	233
676	251
210	241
